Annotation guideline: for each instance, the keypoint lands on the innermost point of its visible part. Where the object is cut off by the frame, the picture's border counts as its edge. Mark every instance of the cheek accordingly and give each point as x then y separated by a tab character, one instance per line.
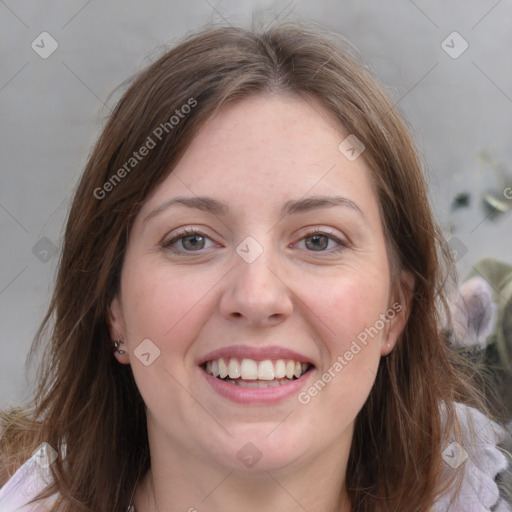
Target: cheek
168	308
355	306
165	304
349	304
348	312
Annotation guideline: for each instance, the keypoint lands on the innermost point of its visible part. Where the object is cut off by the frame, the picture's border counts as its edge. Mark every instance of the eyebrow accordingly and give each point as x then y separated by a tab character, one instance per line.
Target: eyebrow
203	203
292	207
316	202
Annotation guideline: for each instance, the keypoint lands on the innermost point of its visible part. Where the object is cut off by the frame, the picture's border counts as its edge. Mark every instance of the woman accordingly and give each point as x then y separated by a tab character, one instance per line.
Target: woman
247	314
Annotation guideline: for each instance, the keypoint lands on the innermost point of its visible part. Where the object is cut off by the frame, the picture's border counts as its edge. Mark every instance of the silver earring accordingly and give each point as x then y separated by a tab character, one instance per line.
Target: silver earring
117	344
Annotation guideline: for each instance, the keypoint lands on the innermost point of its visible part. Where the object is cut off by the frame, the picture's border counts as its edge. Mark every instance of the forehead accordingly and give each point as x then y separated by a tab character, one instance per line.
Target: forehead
276	146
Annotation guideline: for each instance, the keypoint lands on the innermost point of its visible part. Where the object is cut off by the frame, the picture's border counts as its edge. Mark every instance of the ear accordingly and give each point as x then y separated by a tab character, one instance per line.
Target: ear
398	312
117	330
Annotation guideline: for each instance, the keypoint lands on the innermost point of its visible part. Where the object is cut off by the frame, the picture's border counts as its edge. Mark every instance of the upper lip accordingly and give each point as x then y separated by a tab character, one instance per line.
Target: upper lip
255	353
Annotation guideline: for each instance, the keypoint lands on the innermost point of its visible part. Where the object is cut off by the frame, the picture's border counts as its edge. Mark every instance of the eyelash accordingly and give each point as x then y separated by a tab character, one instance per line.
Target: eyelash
183	234
342	245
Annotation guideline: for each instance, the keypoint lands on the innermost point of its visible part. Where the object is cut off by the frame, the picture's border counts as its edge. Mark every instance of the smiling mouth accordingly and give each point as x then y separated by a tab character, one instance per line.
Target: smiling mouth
250	373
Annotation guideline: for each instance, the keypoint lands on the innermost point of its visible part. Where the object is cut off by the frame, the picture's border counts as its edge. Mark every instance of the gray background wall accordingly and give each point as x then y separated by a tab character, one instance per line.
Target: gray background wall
51	111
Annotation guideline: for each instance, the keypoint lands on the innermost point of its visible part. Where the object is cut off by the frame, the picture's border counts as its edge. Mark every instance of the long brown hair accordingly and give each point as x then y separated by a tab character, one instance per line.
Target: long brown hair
88	402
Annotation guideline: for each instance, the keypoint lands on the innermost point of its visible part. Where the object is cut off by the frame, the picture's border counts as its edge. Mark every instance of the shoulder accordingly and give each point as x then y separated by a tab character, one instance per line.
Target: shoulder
26	483
480	460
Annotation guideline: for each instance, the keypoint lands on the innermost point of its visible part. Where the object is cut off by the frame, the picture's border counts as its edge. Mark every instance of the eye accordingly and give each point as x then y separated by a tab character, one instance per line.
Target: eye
318	241
189	240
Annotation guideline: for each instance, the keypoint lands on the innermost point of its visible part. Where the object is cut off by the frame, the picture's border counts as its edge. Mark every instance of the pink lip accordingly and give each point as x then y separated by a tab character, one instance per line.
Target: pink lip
256	353
271	395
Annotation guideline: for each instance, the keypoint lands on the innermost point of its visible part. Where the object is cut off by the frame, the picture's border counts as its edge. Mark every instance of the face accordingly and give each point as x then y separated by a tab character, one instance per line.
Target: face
261	256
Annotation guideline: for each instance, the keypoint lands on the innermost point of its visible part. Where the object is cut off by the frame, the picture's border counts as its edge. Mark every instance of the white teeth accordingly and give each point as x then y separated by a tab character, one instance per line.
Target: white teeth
258	383
215	368
290	369
248	369
280	369
233	369
266	370
223	369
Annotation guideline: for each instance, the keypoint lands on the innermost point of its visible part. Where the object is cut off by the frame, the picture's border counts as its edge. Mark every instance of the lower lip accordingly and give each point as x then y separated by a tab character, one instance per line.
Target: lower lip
268	395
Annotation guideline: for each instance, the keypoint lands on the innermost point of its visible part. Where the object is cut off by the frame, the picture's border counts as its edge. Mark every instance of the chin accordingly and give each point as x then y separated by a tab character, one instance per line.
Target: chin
253	450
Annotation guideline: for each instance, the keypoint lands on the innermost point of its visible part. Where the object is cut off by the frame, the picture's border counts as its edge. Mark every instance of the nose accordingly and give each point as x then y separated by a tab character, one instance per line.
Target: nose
256	294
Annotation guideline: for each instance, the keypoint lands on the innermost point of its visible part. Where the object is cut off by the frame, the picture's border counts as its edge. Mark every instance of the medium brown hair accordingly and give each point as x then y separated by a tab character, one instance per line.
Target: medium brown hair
89	403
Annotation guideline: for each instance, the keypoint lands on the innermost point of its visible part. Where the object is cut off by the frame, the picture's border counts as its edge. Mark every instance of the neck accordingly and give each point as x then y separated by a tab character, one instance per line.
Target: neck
182	482
233	494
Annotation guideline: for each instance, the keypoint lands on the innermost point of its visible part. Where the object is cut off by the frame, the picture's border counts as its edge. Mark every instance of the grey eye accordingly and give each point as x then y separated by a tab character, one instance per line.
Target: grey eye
317	242
193	242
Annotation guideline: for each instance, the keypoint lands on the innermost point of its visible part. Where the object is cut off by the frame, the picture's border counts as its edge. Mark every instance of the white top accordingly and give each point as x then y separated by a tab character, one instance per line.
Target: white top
479	493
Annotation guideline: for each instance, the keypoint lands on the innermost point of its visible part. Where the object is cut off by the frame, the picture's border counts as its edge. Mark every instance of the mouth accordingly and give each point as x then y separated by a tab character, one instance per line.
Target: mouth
251	373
